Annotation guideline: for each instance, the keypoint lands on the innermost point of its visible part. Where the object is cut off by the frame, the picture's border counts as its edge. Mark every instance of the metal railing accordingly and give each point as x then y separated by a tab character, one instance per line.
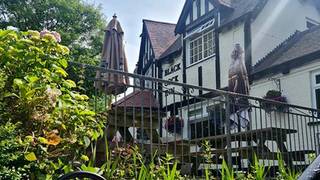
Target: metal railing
170	117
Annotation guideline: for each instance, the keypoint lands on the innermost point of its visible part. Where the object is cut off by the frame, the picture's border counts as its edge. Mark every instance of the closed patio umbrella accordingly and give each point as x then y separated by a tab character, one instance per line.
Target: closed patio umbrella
238	83
113	57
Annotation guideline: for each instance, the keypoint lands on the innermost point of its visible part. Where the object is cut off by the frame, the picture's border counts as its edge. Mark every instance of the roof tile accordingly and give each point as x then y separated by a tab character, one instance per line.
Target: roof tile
297	45
138	99
161	35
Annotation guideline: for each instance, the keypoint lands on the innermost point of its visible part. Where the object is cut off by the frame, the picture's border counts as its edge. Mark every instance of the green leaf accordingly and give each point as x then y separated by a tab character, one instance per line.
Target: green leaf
18	82
87	113
70	84
31	79
61	72
63	63
43	140
8	94
86	141
84	158
30	157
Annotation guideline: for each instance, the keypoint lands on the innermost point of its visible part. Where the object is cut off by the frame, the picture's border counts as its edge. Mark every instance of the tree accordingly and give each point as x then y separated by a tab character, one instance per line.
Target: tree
80	25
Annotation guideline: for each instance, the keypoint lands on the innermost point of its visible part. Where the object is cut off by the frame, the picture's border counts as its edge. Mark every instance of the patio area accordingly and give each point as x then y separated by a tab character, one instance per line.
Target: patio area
162	117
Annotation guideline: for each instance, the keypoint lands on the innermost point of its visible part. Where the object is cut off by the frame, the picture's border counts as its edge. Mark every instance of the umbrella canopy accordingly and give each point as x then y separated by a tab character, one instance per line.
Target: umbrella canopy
238	83
113	57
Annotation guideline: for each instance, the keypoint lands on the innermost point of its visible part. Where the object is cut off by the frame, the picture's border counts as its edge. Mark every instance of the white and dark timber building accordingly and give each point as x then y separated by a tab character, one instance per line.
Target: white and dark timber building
281	41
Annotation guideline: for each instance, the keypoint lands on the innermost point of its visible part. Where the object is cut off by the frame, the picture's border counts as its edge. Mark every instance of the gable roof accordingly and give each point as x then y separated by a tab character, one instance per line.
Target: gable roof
138	98
174	48
161	35
298	45
238	8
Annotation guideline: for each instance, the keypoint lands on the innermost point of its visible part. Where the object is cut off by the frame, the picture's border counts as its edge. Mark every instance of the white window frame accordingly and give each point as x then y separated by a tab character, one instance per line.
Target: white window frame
314	86
195	45
203	57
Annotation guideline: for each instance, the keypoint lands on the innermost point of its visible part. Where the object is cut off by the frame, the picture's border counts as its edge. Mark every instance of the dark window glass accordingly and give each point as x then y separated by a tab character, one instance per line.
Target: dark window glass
193	131
318	98
198	130
318	79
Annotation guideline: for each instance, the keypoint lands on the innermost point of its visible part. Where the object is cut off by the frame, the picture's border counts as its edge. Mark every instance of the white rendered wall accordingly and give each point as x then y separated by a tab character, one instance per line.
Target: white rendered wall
297	87
227	40
208	74
170	98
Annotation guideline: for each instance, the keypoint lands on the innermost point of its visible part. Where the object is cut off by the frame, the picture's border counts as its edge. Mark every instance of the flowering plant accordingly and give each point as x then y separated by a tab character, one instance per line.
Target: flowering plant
56	123
274	95
174	125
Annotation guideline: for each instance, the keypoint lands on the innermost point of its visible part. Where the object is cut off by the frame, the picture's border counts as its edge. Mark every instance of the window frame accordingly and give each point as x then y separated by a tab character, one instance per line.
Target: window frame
191	55
315	87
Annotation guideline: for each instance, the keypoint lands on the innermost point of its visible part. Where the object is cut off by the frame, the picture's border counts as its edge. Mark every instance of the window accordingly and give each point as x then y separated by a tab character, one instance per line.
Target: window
202	47
206	127
316	89
195	113
208	45
196	50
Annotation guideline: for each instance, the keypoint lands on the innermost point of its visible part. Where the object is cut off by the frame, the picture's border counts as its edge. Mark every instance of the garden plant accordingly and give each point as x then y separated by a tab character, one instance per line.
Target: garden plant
47	125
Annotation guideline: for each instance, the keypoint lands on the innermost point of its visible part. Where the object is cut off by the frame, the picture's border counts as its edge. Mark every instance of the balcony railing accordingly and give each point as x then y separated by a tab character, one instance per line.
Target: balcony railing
169	117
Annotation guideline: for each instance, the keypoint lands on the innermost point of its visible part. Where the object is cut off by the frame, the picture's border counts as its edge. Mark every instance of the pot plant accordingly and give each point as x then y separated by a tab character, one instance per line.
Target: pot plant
274	95
174	125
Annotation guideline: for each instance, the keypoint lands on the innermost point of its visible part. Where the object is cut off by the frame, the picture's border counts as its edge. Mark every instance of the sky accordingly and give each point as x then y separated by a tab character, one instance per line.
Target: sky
131	13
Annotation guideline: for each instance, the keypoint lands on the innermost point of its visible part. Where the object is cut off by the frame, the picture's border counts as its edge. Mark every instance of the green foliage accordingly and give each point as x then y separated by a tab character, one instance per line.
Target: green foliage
12	162
128	163
80	24
207	156
55	119
258	170
227	172
286	173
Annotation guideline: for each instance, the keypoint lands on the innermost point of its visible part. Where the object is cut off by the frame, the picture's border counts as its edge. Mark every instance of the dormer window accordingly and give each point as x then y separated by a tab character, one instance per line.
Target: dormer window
201	47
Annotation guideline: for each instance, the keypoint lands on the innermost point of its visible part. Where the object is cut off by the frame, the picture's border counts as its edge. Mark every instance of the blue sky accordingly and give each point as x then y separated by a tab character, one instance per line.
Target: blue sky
130	14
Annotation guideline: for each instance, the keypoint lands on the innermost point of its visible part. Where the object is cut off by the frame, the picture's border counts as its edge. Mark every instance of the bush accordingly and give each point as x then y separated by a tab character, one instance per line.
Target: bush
55	121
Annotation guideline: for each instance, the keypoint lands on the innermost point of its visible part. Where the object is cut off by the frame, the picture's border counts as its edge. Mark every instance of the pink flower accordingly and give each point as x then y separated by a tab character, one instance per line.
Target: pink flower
55	34
44	32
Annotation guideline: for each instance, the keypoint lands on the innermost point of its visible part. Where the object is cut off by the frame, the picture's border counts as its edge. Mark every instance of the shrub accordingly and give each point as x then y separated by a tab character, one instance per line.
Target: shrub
55	121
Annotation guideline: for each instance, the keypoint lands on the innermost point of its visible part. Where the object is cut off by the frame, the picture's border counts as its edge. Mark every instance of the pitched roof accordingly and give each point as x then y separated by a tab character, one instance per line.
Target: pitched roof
239	8
296	46
161	35
138	99
175	47
236	9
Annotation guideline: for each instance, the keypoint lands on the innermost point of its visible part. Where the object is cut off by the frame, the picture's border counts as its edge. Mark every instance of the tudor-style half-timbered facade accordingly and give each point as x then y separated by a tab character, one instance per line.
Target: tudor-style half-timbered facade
156	37
211	28
206	33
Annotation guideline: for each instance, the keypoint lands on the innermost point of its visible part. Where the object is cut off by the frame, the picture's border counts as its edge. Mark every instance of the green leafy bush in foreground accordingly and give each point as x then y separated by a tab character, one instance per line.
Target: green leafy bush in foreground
45	122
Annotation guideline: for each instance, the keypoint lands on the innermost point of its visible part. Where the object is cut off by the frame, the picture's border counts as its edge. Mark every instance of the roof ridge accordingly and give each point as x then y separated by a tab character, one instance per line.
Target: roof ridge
162	22
272	52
